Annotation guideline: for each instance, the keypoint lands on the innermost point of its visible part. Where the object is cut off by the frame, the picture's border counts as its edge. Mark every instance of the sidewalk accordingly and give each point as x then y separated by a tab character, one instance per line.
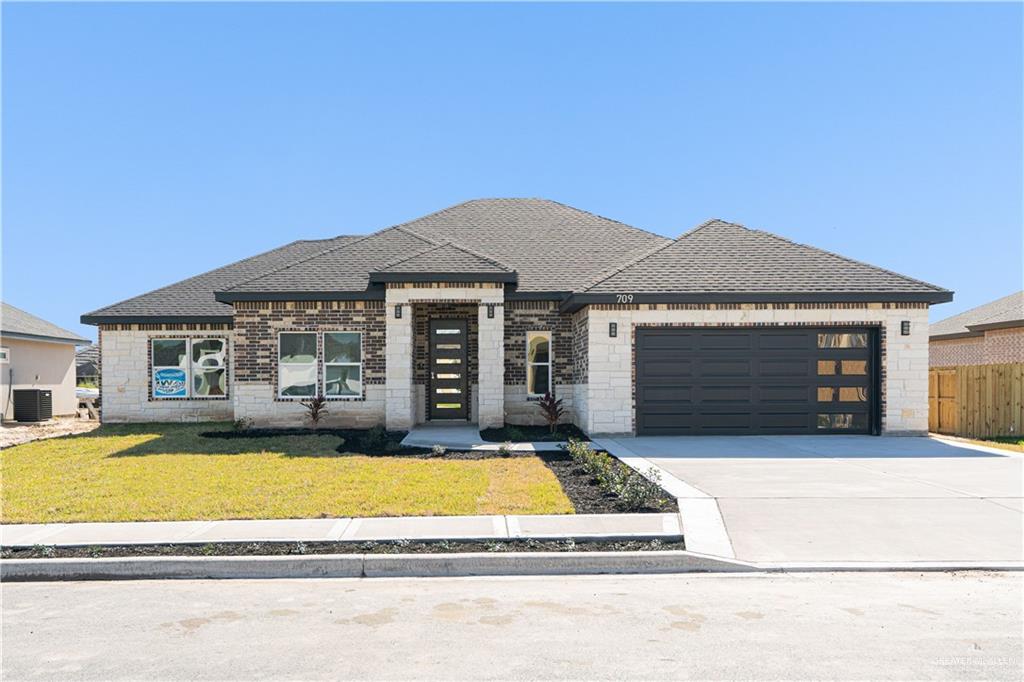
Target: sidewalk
466	437
568	526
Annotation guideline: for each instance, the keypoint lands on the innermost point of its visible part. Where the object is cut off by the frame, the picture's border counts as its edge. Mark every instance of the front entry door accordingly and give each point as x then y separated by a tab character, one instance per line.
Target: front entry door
447	392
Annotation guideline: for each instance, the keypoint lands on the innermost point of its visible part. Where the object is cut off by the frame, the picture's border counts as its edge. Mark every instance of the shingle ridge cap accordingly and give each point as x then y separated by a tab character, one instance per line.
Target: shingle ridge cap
611	272
601	217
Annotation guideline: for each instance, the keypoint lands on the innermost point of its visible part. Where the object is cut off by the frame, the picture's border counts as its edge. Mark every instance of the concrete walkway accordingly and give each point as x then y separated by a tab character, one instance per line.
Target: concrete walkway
839	498
567	526
462	436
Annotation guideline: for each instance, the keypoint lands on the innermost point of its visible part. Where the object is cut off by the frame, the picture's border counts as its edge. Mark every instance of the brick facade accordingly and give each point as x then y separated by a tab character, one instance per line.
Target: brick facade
257	325
996	346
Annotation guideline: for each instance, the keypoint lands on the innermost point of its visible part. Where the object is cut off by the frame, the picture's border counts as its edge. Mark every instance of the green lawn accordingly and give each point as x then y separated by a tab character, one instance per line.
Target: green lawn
1007	442
165	472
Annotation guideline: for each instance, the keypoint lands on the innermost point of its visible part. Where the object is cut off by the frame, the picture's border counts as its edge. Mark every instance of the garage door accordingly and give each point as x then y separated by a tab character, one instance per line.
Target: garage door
707	381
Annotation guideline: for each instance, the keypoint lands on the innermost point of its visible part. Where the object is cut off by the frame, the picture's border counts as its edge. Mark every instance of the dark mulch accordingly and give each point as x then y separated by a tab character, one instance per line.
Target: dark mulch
586	495
390	547
582	489
371	442
532	434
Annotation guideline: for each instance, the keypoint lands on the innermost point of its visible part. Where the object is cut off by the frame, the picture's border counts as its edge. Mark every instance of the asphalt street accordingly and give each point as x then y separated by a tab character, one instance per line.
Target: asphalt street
826	625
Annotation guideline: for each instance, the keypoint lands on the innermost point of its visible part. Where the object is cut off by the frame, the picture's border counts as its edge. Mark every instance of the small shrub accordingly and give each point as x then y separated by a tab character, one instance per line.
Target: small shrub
515	433
639	491
505	449
241	424
443	546
495	546
374	438
301	548
45	550
551	409
437	451
316	409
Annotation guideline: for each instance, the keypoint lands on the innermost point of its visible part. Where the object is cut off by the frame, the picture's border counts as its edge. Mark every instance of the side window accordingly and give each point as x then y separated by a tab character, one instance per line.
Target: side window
538	363
343	364
170	368
296	364
5	356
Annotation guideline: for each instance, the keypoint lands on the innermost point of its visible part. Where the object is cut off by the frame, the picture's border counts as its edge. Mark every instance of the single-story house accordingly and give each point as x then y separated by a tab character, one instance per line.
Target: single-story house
990	334
37	354
474	312
87	364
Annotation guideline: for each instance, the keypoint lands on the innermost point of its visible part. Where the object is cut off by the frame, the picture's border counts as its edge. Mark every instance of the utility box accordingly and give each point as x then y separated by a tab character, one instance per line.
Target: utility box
33	405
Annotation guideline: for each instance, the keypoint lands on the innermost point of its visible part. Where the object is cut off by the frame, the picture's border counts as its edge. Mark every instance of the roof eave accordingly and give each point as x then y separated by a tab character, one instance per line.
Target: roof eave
577	301
1003	324
955	335
155	319
73	340
235	296
502	277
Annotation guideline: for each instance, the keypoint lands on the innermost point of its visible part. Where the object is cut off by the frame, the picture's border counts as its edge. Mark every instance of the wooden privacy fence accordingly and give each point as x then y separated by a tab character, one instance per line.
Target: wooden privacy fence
976	400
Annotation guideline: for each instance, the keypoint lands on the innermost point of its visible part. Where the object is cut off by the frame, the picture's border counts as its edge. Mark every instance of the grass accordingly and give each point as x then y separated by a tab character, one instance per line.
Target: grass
1015	443
168	472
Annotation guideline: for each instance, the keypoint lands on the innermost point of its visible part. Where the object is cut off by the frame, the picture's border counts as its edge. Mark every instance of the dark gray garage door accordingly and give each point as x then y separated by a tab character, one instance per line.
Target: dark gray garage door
707	381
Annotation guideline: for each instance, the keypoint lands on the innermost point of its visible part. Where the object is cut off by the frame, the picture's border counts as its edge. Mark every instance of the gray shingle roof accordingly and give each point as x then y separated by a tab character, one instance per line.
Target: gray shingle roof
17	322
447	258
1008	310
87	360
728	258
545	246
193	297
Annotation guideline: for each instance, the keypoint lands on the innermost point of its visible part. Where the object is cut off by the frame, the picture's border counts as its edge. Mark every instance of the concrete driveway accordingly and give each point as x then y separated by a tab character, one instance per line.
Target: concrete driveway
848	498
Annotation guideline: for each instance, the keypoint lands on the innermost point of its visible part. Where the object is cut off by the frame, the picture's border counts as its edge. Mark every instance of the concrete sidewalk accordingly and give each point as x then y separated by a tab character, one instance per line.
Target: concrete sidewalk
540	527
461	436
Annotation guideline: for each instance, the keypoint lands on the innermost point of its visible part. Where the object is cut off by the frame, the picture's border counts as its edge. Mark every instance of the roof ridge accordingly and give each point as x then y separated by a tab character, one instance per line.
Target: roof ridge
611	272
441	245
841	257
481	255
598	215
203	274
402	227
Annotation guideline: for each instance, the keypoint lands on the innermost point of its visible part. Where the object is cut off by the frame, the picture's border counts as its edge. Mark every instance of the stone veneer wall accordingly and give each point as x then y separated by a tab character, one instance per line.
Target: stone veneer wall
257	325
537	316
904	371
125	375
995	347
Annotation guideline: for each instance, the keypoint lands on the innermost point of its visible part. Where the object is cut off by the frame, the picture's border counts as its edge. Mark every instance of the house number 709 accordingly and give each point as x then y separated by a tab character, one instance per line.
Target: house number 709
623	298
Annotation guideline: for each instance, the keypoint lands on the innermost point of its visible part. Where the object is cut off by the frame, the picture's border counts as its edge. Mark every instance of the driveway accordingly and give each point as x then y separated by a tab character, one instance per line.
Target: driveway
848	498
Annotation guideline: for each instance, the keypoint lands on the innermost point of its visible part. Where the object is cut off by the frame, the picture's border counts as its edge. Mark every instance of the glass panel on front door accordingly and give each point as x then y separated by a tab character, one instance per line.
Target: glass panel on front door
448	388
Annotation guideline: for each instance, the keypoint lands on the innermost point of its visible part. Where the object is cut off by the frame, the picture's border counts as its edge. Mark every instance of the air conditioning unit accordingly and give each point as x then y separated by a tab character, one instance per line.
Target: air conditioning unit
33	405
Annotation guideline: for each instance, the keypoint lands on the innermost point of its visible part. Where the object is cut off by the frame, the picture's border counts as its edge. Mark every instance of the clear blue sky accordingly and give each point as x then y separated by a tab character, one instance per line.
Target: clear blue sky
145	143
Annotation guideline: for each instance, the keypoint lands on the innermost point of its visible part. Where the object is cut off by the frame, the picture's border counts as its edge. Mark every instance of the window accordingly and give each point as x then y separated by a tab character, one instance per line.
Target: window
343	368
538	363
5	356
209	368
189	368
843	340
842	421
296	364
170	368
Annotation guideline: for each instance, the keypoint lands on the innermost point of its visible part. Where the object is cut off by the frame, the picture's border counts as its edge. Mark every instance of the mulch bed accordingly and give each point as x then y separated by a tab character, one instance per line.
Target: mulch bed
583	491
307	548
533	434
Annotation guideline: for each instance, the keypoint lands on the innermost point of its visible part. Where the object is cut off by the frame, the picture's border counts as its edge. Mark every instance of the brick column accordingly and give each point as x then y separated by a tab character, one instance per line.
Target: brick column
399	411
491	361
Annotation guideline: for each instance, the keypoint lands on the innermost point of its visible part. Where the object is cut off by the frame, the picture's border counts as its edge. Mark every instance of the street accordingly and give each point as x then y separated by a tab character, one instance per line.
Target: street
755	626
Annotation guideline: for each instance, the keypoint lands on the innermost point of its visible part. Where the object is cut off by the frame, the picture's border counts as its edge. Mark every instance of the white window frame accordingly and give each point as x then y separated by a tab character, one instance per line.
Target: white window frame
324	364
549	364
5	355
316	363
189	388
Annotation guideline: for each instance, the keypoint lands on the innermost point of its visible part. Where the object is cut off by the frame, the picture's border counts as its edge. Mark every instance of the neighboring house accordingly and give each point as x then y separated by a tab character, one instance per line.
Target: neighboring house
87	364
35	353
473	312
989	334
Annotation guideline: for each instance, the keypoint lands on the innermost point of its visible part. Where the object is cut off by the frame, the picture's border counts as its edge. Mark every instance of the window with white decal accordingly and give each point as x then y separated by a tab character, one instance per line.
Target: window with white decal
343	365
296	364
189	368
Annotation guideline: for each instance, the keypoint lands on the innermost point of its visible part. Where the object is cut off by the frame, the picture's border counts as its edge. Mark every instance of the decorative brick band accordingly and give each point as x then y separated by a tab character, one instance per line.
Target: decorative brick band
759	306
309	305
164	327
445	285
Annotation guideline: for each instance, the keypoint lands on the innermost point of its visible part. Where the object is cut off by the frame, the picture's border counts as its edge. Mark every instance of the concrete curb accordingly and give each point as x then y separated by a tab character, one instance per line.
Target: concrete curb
365	565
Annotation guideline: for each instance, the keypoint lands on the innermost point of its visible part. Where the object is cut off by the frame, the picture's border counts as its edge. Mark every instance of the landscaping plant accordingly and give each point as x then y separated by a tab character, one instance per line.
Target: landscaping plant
316	408
633	490
551	409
